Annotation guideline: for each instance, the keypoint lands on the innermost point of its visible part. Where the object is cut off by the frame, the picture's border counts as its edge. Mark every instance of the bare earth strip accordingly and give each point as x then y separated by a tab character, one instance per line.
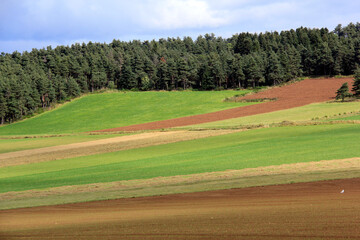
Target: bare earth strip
103	146
286	173
314	210
289	96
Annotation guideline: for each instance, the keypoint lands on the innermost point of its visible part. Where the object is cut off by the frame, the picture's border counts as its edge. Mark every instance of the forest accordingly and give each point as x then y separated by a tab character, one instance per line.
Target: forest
33	81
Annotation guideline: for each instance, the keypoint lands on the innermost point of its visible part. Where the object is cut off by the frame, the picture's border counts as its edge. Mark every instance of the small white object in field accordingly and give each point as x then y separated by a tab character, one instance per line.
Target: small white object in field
342	191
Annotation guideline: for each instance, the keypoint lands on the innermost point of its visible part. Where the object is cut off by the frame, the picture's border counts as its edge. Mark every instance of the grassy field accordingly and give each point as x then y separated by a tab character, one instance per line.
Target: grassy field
305	113
109	110
242	151
250	149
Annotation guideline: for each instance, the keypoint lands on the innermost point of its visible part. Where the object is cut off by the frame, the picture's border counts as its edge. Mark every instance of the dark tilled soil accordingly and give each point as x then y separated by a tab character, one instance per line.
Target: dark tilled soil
316	210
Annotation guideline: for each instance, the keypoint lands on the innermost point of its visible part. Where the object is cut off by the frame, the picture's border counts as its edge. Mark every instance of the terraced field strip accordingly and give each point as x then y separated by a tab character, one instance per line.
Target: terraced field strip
315	111
261	176
103	146
20	143
248	149
315	210
289	96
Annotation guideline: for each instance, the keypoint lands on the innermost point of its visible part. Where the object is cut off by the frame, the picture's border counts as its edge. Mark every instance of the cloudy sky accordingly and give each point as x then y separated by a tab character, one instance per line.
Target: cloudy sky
27	24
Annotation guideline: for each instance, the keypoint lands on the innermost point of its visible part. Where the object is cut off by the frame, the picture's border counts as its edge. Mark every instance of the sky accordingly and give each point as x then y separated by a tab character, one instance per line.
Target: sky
28	24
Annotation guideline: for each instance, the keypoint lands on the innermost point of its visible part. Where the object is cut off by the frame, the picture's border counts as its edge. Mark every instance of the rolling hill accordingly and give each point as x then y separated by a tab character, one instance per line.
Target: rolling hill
109	110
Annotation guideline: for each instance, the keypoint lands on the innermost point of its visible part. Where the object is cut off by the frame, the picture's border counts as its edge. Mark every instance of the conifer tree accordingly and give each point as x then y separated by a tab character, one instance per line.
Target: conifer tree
274	69
356	84
183	72
72	88
3	107
343	92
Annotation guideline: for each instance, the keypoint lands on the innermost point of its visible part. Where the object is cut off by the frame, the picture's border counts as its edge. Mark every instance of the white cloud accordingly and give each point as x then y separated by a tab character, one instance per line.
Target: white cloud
178	14
37	23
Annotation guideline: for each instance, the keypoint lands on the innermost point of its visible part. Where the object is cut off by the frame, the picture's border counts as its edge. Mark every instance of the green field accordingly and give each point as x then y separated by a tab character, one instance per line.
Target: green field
305	113
255	148
236	151
109	110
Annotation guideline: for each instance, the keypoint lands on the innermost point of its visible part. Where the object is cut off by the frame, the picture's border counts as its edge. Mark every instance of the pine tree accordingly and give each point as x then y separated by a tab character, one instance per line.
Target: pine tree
274	69
238	72
325	60
3	107
207	82
127	80
356	84
171	71
162	76
216	69
72	88
343	92
183	72
253	71
59	86
244	44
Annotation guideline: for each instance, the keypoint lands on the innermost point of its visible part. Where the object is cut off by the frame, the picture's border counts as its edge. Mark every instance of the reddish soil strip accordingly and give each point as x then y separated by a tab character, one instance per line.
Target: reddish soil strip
290	96
316	210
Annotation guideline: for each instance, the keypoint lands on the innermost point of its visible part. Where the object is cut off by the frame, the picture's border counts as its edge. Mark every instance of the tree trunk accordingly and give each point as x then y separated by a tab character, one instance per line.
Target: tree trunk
43	101
172	84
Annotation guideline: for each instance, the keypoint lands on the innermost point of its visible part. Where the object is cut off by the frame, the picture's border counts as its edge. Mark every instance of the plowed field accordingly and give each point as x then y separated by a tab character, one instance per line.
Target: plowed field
290	96
316	210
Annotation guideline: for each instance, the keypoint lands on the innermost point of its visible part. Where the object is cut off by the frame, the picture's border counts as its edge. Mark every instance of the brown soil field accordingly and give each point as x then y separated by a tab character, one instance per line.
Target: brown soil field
103	146
315	210
289	96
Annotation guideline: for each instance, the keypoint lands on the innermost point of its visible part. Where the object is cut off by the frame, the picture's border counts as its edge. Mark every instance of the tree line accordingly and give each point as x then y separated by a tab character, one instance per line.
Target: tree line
34	80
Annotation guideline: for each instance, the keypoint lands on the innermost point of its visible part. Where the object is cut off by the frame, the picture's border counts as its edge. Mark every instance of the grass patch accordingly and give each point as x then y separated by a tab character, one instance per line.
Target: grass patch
354	117
109	110
18	144
99	146
250	149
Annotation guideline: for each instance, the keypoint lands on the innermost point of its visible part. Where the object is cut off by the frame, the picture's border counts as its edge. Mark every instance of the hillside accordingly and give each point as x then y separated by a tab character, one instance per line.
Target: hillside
90	172
109	110
287	97
83	159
